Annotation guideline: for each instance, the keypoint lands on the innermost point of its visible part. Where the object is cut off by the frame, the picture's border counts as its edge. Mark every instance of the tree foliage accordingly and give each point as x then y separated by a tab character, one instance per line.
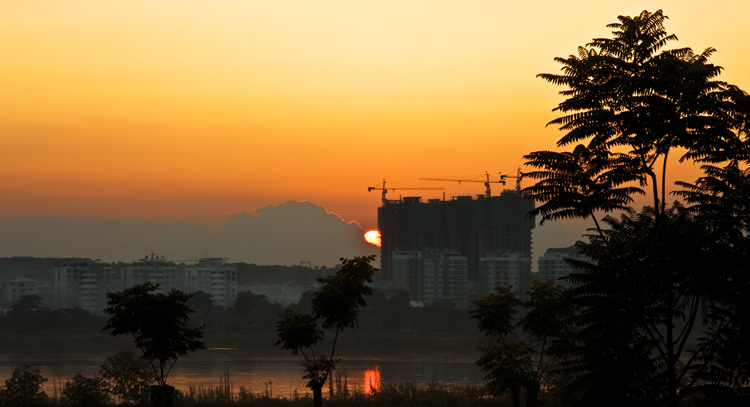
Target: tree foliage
24	389
663	317
632	103
335	306
83	391
158	323
516	353
128	377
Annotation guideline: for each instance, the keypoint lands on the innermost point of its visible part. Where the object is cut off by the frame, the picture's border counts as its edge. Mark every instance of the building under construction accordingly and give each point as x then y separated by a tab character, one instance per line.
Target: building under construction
473	236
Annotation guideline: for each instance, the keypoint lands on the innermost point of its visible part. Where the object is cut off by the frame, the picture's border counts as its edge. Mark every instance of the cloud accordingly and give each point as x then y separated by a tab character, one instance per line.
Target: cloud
290	233
277	234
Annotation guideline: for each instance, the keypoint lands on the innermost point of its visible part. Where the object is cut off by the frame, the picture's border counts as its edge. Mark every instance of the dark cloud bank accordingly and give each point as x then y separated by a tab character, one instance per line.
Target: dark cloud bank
283	234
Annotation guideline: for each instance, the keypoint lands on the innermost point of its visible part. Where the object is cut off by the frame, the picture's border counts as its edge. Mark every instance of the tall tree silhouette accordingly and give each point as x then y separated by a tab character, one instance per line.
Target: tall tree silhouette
159	325
513	365
336	305
625	93
661	297
643	296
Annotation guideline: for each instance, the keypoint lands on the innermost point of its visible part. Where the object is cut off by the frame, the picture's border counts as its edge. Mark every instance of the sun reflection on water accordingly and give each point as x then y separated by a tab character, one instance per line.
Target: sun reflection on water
372	381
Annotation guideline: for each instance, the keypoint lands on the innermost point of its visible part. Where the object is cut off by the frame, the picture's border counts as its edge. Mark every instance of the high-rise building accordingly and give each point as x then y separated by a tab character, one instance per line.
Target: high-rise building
553	264
166	274
214	277
430	276
84	283
507	270
408	274
466	226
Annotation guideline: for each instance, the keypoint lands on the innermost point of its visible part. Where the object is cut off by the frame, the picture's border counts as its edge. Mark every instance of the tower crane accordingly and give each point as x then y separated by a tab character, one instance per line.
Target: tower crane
383	188
518	177
486	182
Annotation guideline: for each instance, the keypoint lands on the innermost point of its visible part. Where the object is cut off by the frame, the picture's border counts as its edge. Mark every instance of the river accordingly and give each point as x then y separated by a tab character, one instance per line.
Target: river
279	376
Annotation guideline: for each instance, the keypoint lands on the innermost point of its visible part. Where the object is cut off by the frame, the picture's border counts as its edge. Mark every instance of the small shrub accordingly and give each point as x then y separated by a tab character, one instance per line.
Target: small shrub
128	377
24	389
85	392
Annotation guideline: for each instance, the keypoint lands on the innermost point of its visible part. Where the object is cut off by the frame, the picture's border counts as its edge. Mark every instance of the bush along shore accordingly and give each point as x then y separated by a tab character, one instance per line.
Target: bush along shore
24	388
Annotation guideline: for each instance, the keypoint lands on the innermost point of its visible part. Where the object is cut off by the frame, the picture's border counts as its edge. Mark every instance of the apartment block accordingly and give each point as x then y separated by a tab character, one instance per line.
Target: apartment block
84	283
13	290
214	277
469	227
507	270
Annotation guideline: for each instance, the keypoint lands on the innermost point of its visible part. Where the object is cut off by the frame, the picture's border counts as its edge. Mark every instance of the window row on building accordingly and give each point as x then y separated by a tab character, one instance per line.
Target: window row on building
432	275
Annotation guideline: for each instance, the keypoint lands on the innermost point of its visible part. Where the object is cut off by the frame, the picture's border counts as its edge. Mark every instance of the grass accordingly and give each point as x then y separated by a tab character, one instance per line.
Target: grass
340	394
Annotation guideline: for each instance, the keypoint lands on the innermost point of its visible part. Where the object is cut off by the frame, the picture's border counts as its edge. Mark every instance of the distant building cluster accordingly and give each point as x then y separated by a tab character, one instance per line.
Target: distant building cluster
554	265
84	283
440	251
458	250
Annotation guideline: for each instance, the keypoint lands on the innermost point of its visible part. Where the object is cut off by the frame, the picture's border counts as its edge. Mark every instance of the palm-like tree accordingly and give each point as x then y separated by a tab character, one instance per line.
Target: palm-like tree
625	94
580	183
643	294
655	275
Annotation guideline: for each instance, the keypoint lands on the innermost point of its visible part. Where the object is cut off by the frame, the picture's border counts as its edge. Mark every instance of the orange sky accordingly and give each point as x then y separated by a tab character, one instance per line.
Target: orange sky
198	110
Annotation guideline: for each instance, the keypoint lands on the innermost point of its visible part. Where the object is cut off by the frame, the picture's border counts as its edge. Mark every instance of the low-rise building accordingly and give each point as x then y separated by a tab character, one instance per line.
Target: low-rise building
13	290
553	265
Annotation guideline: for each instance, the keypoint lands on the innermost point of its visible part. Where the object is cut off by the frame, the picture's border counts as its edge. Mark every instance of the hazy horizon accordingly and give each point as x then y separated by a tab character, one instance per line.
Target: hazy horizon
284	234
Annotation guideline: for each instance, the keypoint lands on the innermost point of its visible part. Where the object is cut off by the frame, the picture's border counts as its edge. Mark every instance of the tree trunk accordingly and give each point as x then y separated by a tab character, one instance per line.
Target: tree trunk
162	396
532	393
317	395
515	396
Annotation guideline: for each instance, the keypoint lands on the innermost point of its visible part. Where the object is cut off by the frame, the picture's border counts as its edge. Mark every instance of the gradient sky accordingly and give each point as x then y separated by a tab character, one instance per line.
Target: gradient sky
151	110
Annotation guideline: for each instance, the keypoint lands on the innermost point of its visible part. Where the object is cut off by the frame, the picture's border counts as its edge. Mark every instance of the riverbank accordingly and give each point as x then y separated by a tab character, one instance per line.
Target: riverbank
254	363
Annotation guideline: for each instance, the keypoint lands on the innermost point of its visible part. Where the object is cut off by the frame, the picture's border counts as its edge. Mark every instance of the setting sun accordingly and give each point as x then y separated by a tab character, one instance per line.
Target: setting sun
373	237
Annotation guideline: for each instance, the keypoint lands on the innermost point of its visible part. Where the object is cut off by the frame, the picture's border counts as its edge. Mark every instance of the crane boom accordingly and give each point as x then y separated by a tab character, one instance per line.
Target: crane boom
486	182
384	189
518	177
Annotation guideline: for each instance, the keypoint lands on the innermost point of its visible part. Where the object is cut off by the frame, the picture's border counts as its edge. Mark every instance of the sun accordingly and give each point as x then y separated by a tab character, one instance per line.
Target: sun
373	237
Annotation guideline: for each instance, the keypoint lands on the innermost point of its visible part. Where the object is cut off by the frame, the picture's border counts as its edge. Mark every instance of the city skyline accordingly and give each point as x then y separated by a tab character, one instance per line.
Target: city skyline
186	111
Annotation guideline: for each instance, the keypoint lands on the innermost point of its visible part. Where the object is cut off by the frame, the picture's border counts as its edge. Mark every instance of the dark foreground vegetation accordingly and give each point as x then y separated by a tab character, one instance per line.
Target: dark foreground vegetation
658	315
24	389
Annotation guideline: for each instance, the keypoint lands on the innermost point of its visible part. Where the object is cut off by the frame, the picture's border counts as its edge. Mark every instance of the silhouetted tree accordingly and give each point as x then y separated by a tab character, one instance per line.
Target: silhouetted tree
660	298
625	93
514	363
128	377
159	324
387	312
83	391
644	294
336	305
253	313
24	389
204	309
27	315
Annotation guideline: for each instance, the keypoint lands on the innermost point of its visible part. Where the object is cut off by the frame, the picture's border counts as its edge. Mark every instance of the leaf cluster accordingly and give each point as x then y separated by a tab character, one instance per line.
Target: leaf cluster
516	352
24	389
